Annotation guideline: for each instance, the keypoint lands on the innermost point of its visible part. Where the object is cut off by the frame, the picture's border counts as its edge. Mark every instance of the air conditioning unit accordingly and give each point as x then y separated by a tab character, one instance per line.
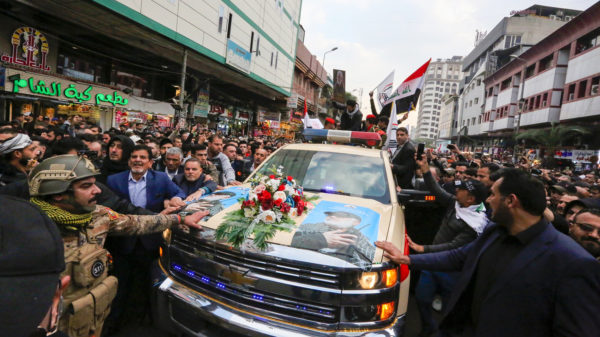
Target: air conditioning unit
571	96
554	17
594	90
543	104
568	18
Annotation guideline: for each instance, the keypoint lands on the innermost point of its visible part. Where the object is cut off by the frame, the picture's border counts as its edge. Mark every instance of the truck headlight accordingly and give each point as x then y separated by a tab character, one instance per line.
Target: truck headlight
368	279
166	234
378	279
386	310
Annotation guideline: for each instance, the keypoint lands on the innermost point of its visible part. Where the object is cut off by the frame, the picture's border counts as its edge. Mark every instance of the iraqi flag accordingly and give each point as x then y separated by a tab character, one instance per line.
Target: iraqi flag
407	93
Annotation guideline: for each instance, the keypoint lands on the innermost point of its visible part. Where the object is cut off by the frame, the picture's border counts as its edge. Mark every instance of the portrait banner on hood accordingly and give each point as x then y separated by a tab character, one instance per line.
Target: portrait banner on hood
330	223
339	86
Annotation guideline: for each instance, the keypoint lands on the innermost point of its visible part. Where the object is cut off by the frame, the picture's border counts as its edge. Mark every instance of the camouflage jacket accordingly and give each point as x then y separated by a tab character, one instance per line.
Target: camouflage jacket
88	246
210	169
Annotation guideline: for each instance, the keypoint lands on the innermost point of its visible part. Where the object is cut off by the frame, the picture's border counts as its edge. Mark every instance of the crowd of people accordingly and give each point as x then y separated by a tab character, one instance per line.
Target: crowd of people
516	252
111	194
513	239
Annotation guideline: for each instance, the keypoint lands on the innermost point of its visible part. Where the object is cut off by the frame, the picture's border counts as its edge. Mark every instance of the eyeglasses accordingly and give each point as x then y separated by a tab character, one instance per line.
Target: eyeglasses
588	228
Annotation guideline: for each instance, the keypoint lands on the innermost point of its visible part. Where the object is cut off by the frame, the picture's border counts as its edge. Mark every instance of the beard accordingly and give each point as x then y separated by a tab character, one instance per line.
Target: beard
502	216
590	244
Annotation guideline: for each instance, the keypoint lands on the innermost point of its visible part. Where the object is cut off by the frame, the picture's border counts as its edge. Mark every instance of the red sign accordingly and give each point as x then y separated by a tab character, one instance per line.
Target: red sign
29	48
217	109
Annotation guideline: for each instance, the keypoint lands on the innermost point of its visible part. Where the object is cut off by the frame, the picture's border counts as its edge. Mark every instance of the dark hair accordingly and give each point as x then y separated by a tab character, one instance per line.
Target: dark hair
143	147
165	141
212	137
460	163
228	145
198	147
383	119
594	188
492	167
65	145
96	126
529	191
88	137
592	211
471	172
402	129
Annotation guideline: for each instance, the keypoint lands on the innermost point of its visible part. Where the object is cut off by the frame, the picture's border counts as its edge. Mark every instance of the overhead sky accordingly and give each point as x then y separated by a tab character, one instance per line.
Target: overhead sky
375	37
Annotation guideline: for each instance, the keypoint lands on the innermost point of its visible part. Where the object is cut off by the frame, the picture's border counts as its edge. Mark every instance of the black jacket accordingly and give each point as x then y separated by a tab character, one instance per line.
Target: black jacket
110	167
404	165
351	124
453	232
9	174
191	187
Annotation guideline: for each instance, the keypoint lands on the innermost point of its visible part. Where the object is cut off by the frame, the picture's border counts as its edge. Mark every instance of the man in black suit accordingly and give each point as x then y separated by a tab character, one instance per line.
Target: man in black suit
521	277
403	159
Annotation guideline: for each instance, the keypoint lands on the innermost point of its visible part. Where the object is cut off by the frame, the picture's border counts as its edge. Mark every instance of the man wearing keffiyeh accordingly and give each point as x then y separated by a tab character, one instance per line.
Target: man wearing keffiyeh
17	156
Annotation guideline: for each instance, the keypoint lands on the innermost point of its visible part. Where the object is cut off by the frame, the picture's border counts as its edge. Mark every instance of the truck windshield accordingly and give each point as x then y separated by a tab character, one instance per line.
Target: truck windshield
331	172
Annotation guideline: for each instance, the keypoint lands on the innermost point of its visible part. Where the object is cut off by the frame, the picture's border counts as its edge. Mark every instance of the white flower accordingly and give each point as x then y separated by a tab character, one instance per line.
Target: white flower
252	196
273	184
259	188
279	195
268	216
293	212
248	212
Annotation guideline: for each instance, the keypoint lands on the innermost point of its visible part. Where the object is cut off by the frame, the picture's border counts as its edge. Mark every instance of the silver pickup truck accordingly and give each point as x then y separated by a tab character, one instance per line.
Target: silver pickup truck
307	282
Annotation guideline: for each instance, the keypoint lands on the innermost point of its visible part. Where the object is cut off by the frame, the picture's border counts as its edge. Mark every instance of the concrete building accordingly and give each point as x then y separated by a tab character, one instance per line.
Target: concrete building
511	36
309	78
443	77
556	80
448	117
239	55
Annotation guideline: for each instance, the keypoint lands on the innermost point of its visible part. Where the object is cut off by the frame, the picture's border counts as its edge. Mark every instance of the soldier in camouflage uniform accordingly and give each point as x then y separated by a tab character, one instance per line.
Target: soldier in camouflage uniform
64	188
337	236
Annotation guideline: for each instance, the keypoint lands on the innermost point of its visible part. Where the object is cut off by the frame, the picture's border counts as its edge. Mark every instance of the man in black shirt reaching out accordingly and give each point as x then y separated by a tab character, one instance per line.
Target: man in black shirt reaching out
521	277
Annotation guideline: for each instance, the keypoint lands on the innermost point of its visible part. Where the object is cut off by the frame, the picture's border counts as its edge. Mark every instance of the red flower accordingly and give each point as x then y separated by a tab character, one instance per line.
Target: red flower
248	203
289	178
272	176
277	202
281	188
300	209
297	198
285	207
264	195
267	204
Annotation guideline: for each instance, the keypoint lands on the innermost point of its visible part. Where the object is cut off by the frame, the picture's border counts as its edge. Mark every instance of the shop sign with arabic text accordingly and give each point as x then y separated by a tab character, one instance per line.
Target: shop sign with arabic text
55	88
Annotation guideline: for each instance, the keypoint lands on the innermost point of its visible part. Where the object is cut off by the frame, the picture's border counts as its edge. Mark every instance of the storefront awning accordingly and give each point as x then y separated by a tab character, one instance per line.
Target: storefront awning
150	106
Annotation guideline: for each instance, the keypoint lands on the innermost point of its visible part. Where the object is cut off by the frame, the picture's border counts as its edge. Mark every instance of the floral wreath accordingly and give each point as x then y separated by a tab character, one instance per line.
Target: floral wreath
271	206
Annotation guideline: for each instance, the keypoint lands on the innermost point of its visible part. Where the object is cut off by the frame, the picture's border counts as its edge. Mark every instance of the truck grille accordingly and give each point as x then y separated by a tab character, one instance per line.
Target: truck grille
276	288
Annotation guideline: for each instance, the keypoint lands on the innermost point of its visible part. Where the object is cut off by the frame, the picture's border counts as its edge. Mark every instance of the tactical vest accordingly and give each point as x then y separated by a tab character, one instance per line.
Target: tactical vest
88	298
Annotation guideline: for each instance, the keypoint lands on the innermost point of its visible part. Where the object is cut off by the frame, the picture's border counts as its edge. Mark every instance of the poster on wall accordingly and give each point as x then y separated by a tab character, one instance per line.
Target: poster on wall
202	106
339	86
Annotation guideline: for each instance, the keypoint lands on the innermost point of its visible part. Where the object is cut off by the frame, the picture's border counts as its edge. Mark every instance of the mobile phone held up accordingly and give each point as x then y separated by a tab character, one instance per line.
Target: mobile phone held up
420	150
450	147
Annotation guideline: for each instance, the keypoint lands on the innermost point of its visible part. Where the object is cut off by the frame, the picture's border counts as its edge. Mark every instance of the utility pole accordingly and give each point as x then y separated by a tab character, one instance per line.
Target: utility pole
182	113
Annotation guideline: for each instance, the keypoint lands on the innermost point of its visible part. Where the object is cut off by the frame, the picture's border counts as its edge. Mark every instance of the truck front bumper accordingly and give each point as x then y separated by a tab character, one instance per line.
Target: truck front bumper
179	309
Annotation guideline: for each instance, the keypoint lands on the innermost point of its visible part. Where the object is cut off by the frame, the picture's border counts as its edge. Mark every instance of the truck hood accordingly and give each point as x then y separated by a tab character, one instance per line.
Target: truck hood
339	230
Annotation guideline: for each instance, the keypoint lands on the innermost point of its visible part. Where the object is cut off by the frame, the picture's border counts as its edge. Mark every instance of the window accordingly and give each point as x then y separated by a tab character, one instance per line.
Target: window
251	41
536	105
588	41
505	84
544	100
530	71
571	93
229	25
221	14
476	100
512	40
594	86
490	92
582	89
478	82
546	63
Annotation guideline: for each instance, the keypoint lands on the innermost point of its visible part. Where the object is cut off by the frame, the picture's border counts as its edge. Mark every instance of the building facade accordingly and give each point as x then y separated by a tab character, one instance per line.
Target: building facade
511	37
237	58
448	117
556	80
443	77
